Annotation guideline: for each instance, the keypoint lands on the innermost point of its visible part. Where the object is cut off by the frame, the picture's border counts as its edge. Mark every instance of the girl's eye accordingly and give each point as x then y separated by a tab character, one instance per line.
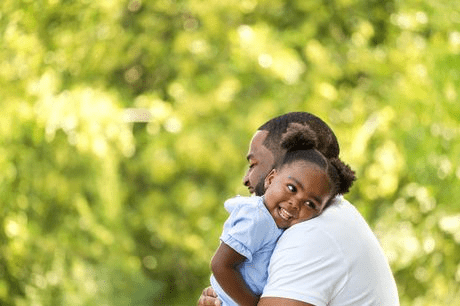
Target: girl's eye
291	188
310	204
251	166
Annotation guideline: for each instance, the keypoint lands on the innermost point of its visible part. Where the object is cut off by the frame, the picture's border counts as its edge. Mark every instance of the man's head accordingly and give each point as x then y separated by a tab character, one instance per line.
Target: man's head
265	149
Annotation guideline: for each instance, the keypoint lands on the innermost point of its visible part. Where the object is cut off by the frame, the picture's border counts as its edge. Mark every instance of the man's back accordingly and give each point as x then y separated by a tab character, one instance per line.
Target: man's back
334	260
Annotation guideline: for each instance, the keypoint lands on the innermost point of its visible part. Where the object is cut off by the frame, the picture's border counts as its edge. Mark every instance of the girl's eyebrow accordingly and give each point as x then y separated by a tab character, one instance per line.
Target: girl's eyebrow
250	156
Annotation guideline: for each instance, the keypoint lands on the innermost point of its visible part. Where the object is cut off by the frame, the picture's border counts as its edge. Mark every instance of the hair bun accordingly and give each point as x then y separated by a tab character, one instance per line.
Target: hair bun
299	137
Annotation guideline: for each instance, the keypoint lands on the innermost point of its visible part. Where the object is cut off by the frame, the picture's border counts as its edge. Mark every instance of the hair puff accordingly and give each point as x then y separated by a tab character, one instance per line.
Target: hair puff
346	175
299	137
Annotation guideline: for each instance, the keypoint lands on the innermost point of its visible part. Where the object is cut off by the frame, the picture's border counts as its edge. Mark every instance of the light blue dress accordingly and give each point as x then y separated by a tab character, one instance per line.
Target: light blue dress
251	231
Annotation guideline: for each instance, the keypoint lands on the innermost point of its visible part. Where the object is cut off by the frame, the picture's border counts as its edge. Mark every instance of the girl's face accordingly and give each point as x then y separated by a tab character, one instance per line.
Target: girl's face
296	192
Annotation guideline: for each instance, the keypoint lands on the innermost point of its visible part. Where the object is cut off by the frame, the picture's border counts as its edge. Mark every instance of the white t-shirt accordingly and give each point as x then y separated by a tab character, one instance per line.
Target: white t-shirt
334	260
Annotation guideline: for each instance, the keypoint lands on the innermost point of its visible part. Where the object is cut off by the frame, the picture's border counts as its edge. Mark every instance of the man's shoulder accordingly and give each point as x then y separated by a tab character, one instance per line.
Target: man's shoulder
338	221
340	209
340	202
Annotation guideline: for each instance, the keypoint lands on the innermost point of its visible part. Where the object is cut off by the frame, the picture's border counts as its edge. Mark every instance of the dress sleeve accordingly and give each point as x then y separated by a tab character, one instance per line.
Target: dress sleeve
247	229
307	265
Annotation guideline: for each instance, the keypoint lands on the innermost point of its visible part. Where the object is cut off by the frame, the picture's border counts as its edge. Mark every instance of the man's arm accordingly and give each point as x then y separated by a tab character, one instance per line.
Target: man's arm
275	301
224	267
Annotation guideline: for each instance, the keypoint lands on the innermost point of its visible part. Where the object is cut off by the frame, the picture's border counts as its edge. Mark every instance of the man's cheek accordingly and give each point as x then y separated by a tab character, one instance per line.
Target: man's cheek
261	176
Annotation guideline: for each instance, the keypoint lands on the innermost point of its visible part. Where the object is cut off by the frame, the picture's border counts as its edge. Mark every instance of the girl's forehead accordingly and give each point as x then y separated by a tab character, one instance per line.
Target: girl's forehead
300	165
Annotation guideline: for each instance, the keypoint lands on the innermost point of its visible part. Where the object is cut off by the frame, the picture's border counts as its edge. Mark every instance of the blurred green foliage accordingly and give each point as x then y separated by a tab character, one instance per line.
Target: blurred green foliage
98	210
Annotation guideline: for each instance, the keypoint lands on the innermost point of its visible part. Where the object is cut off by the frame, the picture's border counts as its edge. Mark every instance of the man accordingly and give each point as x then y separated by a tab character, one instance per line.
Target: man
333	259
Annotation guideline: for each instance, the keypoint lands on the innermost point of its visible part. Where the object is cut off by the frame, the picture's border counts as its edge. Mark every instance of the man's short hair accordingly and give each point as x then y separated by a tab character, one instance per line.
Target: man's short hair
326	140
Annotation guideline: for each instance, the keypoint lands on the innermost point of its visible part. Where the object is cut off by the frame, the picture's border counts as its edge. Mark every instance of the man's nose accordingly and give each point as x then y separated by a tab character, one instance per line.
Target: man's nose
246	180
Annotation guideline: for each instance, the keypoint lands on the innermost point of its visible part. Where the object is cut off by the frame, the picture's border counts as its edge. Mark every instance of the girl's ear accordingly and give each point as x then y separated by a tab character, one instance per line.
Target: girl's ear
269	178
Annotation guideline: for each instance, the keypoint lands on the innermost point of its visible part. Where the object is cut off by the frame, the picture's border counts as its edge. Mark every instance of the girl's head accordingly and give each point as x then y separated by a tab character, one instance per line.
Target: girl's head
305	182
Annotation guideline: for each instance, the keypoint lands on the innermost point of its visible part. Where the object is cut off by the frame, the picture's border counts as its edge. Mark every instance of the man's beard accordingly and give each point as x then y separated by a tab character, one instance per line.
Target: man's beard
259	189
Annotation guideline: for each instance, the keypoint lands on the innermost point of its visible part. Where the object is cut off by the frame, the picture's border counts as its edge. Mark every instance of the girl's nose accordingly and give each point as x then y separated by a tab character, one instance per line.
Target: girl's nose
294	203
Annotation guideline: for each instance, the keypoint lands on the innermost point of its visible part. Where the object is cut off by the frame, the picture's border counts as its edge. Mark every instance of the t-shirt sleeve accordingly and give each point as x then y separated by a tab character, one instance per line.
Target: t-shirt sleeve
306	266
247	229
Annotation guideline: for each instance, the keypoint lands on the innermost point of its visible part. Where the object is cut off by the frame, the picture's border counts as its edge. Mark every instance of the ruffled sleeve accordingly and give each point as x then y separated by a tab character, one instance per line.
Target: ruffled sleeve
249	225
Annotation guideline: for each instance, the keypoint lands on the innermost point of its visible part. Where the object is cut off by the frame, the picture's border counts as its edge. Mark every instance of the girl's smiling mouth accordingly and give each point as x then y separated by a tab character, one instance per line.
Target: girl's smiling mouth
284	214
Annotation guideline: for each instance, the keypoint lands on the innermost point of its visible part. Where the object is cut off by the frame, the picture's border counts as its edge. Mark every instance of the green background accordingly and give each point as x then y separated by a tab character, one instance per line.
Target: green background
98	210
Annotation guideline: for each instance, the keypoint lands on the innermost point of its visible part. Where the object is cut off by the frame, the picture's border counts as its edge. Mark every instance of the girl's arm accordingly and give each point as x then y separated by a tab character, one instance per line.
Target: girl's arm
224	267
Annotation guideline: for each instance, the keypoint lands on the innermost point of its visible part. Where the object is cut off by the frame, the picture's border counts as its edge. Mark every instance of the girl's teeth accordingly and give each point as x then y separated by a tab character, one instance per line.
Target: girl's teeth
284	214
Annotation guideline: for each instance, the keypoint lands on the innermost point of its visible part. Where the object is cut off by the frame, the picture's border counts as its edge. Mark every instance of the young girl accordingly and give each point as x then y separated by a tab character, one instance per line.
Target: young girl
298	189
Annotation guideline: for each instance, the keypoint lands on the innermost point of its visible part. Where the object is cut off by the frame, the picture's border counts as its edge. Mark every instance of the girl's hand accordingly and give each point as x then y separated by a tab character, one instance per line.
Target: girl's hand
208	298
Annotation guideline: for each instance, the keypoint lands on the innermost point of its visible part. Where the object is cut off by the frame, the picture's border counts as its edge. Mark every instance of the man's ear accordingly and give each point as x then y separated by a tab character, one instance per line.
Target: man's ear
269	178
